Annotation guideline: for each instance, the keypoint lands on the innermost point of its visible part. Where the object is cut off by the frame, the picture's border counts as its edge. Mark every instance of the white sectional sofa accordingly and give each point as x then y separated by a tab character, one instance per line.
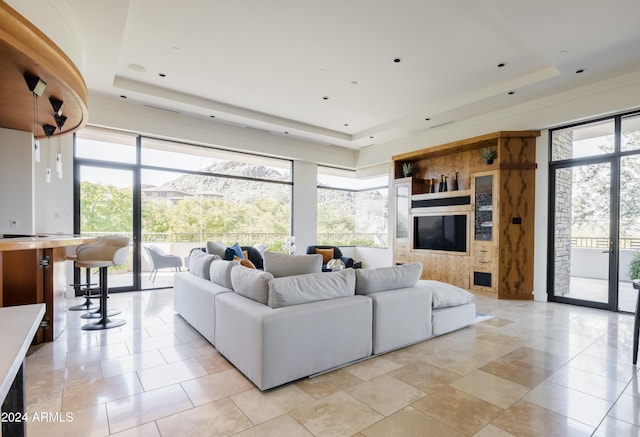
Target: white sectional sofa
279	328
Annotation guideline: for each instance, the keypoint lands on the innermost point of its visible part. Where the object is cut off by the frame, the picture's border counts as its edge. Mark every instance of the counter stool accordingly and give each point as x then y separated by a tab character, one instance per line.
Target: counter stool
636	323
112	251
87	286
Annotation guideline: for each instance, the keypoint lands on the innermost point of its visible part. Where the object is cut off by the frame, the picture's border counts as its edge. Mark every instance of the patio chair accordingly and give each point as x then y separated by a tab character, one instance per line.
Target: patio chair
160	260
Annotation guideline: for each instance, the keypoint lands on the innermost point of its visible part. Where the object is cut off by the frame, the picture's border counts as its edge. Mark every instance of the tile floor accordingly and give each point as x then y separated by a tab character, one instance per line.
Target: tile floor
535	369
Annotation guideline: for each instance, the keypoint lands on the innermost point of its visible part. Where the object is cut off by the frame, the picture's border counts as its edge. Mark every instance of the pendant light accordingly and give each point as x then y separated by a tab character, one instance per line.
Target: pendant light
60	120
48	131
37	87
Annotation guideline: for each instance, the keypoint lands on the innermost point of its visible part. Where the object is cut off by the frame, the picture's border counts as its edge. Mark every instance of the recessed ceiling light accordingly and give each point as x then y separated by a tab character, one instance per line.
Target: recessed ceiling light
397	60
511	93
325	98
137	68
176	48
286	132
212	116
371	136
162	75
580	71
346	124
502	64
427	119
354	82
124	97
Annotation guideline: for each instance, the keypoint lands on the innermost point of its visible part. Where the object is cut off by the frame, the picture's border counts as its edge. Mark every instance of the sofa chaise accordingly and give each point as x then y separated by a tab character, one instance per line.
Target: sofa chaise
292	321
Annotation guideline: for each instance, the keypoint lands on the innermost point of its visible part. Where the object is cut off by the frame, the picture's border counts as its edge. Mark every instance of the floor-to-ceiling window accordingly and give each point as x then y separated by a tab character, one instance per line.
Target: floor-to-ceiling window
352	212
594	212
179	197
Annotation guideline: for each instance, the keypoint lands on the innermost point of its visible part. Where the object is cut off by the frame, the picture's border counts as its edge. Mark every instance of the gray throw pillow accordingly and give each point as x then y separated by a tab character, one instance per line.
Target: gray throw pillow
387	278
280	264
216	248
200	262
251	283
220	272
296	290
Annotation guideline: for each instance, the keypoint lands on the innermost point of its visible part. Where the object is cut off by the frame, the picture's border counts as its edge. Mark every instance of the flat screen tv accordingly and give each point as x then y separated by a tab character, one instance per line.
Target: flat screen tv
440	232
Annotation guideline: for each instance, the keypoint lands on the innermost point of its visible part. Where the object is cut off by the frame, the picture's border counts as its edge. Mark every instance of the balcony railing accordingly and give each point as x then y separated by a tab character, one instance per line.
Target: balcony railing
273	239
603	242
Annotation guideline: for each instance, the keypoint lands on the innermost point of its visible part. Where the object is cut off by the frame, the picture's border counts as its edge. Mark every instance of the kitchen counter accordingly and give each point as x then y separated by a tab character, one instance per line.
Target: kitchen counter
33	270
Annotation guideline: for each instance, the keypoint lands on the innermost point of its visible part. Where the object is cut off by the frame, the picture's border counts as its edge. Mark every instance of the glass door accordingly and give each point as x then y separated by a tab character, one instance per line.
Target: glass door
584	252
106	208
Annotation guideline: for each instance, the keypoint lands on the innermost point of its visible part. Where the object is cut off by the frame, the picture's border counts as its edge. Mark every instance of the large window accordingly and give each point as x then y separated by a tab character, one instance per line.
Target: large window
193	194
182	195
351	211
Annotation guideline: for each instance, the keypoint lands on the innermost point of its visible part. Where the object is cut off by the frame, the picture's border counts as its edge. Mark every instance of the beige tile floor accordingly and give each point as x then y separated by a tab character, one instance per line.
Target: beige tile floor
535	369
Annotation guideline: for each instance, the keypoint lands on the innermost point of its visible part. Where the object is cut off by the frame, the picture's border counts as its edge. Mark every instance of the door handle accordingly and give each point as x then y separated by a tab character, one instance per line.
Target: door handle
607	251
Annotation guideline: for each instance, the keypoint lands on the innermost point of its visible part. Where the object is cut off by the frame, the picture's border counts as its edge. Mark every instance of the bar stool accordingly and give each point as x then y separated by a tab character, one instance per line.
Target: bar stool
636	323
87	286
112	252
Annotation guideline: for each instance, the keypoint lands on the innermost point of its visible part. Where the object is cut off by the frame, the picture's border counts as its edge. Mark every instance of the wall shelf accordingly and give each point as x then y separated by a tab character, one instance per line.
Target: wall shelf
442	195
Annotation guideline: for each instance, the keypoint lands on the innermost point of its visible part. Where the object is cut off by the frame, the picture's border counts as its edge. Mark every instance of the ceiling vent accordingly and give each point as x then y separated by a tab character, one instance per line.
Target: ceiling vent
162	109
441	124
258	129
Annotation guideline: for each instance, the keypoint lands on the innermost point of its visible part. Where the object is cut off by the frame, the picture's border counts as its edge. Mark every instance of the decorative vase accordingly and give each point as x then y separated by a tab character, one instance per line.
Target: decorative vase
432	188
455	182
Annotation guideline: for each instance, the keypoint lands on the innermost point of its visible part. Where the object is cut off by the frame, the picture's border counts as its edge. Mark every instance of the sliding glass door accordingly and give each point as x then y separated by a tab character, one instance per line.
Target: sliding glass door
106	208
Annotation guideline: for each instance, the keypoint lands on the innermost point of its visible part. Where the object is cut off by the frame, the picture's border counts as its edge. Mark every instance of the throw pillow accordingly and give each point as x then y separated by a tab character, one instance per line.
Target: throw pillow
244	262
446	295
199	263
253	284
327	255
220	272
296	290
216	248
387	278
232	251
280	264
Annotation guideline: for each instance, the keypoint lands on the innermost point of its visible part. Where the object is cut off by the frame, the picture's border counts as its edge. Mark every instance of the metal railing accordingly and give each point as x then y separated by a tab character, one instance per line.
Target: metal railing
273	239
603	242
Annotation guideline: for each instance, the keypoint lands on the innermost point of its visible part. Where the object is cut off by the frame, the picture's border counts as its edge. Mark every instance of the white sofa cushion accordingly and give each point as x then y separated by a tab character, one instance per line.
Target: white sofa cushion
387	278
251	283
220	272
446	295
216	248
200	263
296	290
280	264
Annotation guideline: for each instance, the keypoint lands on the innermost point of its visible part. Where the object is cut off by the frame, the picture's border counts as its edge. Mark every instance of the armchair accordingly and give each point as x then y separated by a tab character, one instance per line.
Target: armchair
160	260
337	253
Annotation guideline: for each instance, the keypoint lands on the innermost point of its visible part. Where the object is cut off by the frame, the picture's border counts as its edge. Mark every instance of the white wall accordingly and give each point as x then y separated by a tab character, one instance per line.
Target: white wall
54	200
541	218
305	201
16	182
109	112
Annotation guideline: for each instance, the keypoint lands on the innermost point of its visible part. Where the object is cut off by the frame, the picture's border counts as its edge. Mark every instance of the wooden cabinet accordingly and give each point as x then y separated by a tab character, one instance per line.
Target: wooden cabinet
483	239
497	200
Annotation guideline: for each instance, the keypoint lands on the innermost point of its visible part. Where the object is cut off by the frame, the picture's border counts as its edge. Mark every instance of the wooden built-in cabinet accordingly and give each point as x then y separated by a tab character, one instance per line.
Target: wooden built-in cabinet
495	200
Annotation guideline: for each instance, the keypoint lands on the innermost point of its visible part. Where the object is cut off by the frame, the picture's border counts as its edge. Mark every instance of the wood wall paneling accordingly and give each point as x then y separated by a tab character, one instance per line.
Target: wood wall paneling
509	256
